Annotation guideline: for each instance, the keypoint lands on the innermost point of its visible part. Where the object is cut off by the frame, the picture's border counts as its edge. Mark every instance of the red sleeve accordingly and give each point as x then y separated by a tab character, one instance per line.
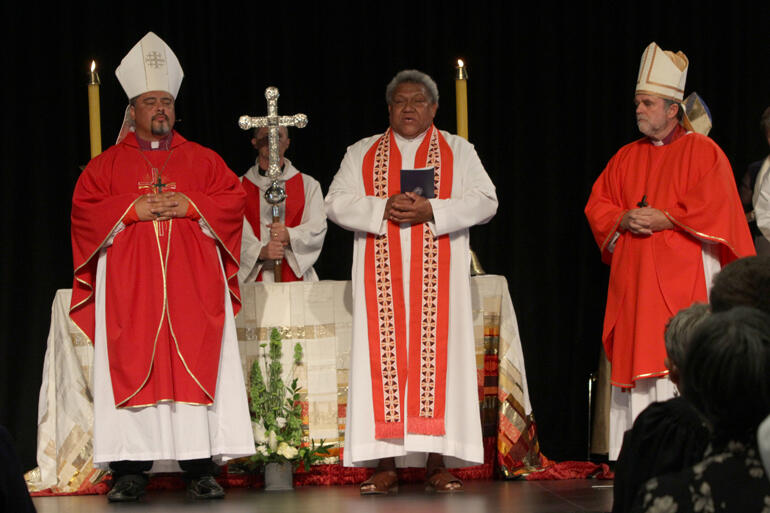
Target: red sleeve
604	209
711	209
221	207
95	214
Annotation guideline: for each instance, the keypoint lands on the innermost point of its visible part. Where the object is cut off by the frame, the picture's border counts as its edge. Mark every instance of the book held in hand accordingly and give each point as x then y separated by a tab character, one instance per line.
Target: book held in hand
418	181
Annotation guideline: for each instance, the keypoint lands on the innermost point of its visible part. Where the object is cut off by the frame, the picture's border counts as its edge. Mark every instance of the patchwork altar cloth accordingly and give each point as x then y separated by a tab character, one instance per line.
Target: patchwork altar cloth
318	315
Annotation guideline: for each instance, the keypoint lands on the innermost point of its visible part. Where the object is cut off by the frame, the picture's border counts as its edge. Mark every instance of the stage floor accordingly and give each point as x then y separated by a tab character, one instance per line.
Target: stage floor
479	497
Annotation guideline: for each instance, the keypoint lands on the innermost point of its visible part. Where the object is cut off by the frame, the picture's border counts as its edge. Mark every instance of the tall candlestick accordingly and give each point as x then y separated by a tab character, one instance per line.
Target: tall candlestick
94	117
461	98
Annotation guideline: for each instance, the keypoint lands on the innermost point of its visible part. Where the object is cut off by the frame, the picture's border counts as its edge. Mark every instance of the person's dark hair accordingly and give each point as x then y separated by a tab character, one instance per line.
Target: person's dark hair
727	369
745	281
680	112
679	330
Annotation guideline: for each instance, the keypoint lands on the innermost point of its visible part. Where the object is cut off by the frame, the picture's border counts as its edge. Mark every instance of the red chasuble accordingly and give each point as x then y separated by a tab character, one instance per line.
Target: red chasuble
164	284
653	277
294	205
424	367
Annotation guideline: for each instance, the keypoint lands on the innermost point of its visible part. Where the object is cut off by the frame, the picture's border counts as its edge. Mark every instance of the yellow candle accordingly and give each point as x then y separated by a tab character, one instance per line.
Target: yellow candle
461	98
94	117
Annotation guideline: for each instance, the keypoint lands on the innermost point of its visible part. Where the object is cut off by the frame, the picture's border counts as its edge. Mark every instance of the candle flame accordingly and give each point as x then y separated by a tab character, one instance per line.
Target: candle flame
460	63
93	66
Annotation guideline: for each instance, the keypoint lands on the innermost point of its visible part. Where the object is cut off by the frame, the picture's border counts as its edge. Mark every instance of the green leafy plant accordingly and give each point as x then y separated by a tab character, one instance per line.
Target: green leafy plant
276	411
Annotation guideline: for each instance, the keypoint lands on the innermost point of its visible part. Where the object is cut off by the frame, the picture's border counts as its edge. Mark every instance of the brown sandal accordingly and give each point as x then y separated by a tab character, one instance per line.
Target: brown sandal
382	482
441	480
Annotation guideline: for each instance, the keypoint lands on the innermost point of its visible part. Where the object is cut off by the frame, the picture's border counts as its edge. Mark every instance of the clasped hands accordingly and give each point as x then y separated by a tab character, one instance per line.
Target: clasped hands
161	207
276	246
409	208
645	221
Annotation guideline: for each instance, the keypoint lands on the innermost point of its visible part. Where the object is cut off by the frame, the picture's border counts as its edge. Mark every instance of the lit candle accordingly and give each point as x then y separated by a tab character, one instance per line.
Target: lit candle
94	118
461	97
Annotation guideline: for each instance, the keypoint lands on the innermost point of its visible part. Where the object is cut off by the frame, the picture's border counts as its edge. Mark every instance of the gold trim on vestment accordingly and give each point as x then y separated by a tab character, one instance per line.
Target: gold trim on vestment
90	286
224	246
171	328
659	374
166	401
613	231
163	313
699	234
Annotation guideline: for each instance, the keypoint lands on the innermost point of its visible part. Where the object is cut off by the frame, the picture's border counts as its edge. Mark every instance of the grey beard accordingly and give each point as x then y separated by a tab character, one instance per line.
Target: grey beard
161	129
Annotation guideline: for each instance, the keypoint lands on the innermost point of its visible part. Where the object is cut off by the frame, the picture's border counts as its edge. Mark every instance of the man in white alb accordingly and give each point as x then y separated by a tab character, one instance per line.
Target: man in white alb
413	396
297	239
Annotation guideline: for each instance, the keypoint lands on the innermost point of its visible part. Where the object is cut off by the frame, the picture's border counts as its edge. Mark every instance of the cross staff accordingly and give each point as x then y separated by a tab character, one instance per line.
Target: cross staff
274	194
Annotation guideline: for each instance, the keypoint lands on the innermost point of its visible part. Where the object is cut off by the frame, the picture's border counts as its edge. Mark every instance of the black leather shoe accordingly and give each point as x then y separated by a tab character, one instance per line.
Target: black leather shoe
128	488
204	487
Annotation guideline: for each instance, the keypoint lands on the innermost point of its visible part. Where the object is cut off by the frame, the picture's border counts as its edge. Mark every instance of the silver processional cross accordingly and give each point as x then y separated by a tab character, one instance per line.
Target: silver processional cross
275	194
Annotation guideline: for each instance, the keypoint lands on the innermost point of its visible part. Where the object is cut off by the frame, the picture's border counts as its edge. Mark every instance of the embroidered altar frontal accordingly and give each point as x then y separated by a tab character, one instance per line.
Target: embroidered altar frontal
318	315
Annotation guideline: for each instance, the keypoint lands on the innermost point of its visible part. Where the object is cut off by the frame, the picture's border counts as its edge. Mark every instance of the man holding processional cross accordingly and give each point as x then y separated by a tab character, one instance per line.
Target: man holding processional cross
283	232
413	397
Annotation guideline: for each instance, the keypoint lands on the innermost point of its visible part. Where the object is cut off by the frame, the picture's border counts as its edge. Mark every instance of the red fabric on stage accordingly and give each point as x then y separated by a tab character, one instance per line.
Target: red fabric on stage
294	208
164	329
572	470
653	277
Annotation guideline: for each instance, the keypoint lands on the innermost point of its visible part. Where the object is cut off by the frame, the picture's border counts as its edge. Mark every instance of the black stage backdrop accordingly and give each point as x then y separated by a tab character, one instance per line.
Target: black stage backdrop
550	96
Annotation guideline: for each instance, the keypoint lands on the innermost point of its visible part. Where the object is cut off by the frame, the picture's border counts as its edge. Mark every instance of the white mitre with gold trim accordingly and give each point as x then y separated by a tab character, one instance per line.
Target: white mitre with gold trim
150	66
662	73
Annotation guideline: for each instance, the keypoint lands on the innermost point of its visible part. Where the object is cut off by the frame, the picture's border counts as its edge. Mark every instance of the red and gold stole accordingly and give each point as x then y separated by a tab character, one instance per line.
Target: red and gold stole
294	205
424	368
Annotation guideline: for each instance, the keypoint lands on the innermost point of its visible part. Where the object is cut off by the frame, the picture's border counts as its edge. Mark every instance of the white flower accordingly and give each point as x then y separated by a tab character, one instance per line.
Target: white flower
259	432
261	449
272	441
287	451
280	421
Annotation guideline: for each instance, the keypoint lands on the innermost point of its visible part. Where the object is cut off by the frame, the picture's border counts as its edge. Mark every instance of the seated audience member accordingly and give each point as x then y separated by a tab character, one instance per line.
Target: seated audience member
667	436
725	376
745	281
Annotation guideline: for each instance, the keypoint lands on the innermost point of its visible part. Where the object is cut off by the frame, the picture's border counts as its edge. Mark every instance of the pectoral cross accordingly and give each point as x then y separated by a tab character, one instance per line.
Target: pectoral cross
156	183
275	193
643	203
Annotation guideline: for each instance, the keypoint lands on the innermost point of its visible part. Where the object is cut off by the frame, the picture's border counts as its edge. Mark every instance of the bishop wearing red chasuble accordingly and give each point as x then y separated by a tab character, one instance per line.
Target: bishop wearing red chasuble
156	234
412	397
666	215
